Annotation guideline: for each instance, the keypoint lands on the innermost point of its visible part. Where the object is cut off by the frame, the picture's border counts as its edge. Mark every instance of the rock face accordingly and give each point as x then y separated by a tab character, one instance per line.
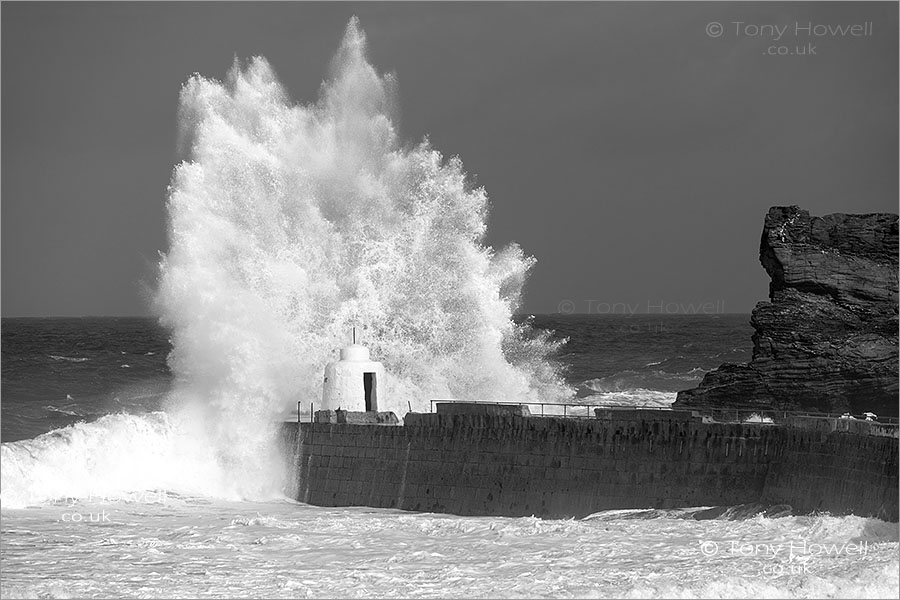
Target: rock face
827	340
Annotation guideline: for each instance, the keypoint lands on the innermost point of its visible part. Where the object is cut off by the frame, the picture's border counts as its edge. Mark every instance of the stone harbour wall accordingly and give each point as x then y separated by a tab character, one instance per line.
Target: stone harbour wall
551	467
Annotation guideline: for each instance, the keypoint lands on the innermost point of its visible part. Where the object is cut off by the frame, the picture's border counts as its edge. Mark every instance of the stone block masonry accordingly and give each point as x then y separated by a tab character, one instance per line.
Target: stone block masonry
484	464
837	472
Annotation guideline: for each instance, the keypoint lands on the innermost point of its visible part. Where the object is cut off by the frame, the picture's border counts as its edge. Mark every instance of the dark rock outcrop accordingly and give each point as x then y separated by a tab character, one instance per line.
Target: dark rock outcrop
827	340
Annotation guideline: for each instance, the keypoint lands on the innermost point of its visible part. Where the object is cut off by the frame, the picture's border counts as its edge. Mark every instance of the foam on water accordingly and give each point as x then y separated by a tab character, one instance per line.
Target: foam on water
114	454
637	398
69	358
285	550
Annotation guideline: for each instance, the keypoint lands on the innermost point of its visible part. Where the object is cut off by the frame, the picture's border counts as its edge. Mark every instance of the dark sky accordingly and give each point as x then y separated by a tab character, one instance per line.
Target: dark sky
633	154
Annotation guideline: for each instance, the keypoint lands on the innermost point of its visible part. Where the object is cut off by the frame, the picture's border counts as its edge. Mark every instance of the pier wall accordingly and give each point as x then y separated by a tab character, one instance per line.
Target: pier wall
848	469
501	464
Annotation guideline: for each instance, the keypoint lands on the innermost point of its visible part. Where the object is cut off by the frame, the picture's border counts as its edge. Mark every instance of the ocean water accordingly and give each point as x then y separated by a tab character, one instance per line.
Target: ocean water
58	371
645	359
91	508
140	459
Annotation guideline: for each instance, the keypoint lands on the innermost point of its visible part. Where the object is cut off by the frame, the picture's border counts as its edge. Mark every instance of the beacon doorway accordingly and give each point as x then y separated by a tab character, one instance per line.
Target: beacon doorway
370	385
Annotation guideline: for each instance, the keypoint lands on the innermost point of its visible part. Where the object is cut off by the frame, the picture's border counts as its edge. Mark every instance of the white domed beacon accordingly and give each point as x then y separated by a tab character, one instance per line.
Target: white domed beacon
354	382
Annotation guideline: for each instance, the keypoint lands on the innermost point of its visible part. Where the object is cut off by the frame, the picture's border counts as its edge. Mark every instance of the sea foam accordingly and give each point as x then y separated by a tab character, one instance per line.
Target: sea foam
290	224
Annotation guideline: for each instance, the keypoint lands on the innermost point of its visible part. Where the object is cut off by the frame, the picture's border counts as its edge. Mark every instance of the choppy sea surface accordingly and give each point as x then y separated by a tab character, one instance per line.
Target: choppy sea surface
214	549
93	507
60	371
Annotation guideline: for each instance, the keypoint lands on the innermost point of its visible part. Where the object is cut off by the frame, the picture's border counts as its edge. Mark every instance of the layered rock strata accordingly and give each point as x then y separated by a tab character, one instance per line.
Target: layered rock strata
827	339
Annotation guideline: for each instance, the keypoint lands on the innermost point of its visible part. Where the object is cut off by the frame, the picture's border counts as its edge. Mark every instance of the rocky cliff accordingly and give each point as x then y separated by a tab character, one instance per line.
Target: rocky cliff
827	339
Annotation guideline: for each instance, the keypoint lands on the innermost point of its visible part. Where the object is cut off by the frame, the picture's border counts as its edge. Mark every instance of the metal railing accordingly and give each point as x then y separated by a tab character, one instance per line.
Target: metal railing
552	409
574	410
311	412
720	415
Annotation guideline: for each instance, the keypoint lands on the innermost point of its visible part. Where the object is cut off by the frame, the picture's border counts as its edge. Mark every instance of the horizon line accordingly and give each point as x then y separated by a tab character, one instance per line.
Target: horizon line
518	314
